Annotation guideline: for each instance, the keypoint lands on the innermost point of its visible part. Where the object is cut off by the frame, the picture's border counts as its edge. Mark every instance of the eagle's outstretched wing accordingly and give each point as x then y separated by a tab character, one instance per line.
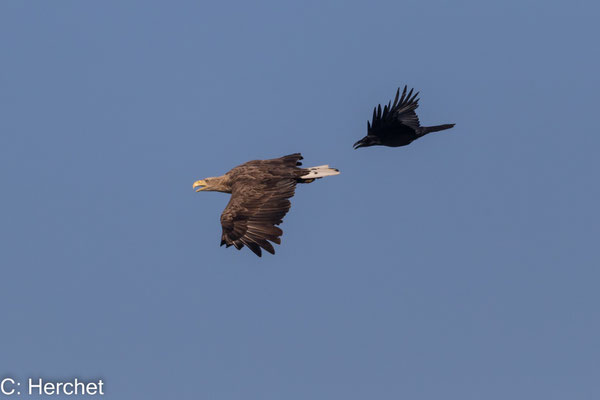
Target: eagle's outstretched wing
400	112
259	201
252	213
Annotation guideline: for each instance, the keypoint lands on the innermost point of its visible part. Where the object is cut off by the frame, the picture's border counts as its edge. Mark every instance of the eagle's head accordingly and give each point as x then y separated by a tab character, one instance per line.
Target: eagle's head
213	184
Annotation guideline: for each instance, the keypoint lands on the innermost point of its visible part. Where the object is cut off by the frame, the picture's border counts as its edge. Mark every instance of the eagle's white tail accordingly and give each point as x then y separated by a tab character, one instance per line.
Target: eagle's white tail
320	172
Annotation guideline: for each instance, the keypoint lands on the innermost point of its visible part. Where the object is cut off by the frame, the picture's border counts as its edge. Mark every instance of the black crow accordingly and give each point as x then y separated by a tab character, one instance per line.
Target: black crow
398	124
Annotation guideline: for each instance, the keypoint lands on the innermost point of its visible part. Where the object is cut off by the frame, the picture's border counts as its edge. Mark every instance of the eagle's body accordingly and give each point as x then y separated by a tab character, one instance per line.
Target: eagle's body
260	192
398	124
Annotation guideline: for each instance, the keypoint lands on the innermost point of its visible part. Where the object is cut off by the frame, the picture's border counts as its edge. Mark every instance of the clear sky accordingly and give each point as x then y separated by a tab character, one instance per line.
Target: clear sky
464	266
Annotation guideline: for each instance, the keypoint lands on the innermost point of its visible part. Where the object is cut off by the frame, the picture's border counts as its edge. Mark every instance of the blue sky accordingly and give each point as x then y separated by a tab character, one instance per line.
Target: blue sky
464	266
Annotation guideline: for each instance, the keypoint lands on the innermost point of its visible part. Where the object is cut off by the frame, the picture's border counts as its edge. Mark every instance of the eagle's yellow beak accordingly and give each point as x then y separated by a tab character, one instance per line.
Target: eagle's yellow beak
200	183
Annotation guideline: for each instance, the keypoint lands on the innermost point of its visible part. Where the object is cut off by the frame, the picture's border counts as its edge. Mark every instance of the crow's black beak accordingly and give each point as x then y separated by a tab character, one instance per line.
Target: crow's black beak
359	144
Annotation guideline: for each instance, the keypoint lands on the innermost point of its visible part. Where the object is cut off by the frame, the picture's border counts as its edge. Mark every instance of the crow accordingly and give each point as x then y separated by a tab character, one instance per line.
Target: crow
398	124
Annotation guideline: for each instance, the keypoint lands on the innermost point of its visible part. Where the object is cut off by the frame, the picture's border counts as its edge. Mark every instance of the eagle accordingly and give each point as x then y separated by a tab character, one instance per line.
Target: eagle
260	192
398	124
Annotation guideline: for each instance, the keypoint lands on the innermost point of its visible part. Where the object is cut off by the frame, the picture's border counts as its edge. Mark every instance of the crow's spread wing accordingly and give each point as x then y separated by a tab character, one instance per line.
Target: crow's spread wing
394	115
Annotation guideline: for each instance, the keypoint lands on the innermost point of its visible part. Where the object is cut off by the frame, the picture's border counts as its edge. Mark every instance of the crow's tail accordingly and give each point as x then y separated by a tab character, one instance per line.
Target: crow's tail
428	129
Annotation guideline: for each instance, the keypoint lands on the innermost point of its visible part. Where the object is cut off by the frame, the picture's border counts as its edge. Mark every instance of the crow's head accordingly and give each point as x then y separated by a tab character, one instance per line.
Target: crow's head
367	141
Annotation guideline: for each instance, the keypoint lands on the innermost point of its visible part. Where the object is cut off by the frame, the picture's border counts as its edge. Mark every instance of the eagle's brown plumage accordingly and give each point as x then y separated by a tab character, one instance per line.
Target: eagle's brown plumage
260	192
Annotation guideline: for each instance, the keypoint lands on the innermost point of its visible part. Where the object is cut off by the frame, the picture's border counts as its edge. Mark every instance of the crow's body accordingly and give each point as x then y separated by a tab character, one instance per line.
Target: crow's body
397	124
